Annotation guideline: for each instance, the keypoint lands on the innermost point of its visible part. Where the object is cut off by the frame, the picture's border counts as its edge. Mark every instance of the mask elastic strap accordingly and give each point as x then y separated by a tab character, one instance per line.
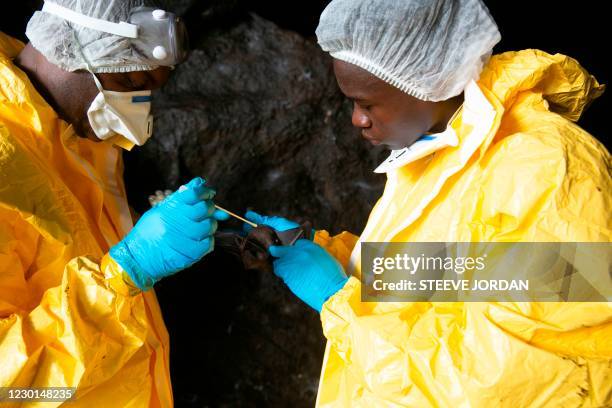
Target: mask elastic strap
121	29
86	61
96	80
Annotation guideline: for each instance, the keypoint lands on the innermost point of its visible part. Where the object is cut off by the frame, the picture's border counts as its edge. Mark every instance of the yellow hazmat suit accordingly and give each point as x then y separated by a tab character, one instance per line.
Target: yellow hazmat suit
523	171
67	318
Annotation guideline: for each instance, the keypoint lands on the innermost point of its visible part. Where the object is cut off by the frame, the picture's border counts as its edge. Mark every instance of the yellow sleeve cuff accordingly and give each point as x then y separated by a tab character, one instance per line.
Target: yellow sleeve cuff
338	313
116	278
339	246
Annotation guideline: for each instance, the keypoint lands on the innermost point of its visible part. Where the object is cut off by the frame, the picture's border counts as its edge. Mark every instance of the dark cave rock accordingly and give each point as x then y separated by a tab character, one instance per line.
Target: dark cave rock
256	111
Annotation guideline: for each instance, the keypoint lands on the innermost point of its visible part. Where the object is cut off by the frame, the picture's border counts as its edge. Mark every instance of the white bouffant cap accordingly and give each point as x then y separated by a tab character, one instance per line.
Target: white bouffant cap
429	49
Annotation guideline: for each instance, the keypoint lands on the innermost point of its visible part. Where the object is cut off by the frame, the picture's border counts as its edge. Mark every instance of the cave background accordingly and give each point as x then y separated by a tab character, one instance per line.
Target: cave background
256	111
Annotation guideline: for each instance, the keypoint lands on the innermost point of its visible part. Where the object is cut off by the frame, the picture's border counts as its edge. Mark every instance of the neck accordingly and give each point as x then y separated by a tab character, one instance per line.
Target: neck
446	111
28	61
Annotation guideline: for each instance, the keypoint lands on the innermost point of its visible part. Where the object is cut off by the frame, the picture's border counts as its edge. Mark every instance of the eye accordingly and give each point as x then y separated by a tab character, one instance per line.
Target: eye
363	105
135	82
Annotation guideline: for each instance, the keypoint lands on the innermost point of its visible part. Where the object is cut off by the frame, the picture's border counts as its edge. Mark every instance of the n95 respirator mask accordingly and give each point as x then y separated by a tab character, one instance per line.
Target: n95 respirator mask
121	113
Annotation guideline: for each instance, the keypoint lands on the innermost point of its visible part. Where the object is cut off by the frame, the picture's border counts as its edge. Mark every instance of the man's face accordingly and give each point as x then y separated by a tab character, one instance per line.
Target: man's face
384	114
83	88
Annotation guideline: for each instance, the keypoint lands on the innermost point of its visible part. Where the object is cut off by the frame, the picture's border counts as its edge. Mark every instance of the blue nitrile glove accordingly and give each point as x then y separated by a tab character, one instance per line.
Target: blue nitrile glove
277	223
309	271
170	237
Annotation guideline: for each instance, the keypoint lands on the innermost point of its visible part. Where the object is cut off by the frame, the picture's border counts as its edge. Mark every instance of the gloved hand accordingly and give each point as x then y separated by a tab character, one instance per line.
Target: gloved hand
277	223
170	237
309	271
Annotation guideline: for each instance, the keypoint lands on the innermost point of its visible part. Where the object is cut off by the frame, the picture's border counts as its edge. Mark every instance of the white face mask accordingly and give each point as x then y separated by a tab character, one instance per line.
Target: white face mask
121	113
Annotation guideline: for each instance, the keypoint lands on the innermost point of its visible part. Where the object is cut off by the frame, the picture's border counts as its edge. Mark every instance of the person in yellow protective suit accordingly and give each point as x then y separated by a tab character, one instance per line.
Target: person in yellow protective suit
510	166
74	310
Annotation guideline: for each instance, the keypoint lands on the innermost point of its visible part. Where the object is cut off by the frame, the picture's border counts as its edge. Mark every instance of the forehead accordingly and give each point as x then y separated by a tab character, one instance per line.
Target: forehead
356	82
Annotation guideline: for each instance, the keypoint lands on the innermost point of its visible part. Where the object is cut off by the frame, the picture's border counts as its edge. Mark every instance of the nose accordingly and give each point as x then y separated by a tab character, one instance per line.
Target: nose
360	119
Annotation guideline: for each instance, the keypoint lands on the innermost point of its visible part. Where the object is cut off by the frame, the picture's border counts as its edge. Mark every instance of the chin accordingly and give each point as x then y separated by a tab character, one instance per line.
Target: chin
398	145
393	146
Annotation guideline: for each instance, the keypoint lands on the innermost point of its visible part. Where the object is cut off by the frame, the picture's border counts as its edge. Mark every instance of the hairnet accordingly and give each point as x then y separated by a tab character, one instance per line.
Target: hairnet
55	38
429	49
